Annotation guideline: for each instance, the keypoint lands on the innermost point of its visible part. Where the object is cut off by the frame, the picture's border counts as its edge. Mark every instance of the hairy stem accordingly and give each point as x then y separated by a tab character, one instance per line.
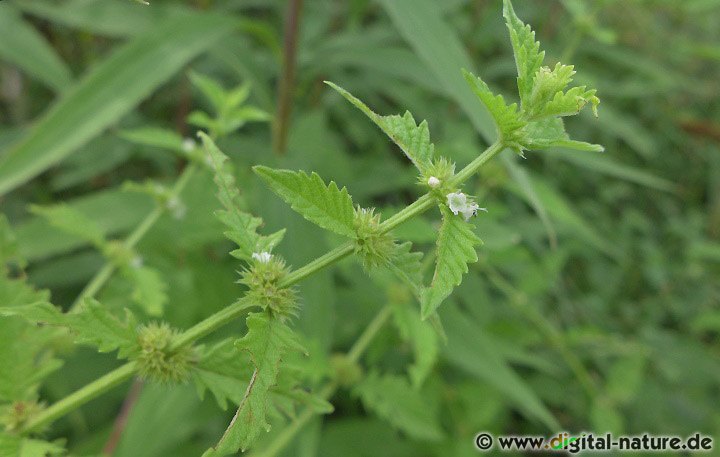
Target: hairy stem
233	311
82	396
105	273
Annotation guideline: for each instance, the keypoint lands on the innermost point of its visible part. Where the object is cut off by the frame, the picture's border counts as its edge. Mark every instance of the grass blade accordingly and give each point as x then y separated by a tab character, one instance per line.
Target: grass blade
108	92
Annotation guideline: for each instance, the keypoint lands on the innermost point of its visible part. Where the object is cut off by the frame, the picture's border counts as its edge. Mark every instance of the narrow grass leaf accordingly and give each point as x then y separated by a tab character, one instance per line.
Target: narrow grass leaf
109	91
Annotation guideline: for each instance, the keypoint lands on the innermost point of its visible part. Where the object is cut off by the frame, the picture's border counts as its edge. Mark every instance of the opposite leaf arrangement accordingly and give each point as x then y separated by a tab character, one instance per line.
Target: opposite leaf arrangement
159	353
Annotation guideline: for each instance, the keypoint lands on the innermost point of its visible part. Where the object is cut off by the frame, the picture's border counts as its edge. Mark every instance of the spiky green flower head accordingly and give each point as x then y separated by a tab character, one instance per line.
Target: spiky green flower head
15	415
372	246
155	359
262	277
119	254
347	373
436	176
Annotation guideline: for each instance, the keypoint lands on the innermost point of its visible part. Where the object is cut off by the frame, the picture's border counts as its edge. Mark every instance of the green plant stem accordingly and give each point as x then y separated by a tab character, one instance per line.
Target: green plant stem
233	311
363	341
106	272
81	396
427	201
353	355
210	324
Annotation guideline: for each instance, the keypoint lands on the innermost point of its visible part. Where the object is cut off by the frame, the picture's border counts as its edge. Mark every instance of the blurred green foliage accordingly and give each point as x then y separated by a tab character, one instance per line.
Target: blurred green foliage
593	306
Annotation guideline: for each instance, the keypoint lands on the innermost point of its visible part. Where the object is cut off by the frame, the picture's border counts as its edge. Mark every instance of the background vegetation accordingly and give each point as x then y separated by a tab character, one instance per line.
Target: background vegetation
594	305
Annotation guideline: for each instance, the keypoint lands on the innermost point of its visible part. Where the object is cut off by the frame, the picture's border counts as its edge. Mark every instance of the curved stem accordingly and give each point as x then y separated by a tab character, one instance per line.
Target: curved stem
231	312
106	272
81	396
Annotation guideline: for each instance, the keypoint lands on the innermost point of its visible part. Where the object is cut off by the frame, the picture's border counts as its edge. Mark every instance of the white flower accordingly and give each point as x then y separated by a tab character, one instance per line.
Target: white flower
176	207
263	257
136	262
459	203
188	144
433	182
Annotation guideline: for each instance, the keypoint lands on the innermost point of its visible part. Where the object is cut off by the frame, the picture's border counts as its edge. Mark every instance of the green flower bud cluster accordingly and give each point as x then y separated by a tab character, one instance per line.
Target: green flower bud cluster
15	415
262	278
373	247
154	358
435	177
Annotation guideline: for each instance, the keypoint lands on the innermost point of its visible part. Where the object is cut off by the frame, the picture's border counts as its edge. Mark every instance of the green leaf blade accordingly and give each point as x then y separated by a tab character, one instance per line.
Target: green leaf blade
326	206
22	45
108	92
223	371
528	57
242	225
455	249
391	398
266	342
93	324
508	122
71	221
411	138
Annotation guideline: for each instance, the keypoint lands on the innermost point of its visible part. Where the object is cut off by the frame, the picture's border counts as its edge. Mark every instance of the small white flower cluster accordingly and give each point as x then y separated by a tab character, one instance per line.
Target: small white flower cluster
136	262
263	257
176	207
460	203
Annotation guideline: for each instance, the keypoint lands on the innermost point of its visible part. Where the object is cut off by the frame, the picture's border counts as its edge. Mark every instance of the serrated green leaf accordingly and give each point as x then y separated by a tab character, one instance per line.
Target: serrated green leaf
92	324
508	122
422	338
71	221
149	289
550	132
288	394
548	99
528	57
17	292
411	138
266	342
407	265
327	206
24	356
455	249
223	371
391	398
242	226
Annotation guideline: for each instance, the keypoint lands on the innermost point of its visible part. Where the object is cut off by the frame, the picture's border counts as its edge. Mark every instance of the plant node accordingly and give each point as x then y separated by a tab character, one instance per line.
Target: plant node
373	247
435	177
346	371
262	278
15	415
155	361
